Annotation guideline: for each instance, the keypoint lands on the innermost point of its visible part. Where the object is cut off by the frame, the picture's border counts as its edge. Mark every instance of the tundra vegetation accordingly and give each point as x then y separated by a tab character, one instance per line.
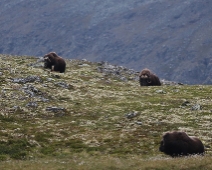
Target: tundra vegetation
95	116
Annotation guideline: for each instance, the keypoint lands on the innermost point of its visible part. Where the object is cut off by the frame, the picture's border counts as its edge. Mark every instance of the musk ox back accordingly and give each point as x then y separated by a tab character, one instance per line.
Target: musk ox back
147	78
180	144
54	62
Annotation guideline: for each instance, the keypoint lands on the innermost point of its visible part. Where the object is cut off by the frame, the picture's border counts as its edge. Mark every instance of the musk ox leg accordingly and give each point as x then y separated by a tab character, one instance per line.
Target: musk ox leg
52	69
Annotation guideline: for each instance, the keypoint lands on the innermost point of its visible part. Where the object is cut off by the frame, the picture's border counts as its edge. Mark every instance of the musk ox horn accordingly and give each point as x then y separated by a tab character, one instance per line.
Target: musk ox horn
47	58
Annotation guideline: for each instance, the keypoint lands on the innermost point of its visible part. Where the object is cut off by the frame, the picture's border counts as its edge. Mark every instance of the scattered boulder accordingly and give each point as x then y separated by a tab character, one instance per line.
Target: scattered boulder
55	109
28	79
32	104
196	107
186	103
58	112
120	72
31	90
64	85
131	115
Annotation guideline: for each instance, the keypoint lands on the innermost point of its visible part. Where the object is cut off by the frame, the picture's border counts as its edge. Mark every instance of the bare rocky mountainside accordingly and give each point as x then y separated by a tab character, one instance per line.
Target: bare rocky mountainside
172	38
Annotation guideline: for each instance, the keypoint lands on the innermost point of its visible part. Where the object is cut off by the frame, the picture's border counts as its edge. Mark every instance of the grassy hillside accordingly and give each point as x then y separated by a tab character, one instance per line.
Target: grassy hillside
95	116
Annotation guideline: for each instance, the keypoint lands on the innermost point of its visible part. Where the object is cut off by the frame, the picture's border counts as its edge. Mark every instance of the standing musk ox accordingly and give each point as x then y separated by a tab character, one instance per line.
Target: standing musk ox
147	78
180	144
54	62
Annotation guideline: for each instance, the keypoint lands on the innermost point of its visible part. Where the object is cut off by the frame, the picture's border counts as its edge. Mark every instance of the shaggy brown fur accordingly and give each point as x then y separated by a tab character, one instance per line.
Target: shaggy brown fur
54	62
147	78
180	144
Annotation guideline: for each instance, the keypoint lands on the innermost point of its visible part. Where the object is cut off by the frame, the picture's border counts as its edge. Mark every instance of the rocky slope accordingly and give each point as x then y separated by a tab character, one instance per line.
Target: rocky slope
94	113
172	38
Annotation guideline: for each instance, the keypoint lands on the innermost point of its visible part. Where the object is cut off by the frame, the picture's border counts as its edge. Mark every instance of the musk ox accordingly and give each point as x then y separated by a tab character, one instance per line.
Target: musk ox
54	62
180	144
147	78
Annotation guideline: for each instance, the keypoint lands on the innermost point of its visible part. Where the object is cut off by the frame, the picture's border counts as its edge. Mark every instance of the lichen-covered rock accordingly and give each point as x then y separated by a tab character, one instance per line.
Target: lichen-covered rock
28	79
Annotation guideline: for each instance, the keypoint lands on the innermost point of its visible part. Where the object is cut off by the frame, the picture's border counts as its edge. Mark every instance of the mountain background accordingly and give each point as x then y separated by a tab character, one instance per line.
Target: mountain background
171	38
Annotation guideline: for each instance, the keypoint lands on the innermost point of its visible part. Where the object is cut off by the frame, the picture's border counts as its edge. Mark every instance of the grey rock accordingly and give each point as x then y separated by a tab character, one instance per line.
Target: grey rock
31	90
139	123
119	72
186	103
16	107
196	107
84	65
43	99
28	79
64	85
172	83
160	91
55	109
58	112
131	115
32	104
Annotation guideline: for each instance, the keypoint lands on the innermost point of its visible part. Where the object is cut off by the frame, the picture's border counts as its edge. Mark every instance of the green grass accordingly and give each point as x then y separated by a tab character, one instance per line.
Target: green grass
92	131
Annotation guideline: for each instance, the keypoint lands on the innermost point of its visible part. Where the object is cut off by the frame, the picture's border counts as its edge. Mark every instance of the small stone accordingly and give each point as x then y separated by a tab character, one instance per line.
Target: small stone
55	109
131	115
186	103
160	91
139	123
64	85
32	104
196	107
28	79
84	65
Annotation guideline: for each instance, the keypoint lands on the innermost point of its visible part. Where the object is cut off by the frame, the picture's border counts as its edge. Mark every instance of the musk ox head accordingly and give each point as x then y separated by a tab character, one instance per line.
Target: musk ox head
147	78
54	62
180	144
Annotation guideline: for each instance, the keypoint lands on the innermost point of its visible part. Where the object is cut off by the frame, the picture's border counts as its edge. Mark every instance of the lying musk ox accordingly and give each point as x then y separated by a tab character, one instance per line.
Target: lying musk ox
180	144
147	78
54	62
